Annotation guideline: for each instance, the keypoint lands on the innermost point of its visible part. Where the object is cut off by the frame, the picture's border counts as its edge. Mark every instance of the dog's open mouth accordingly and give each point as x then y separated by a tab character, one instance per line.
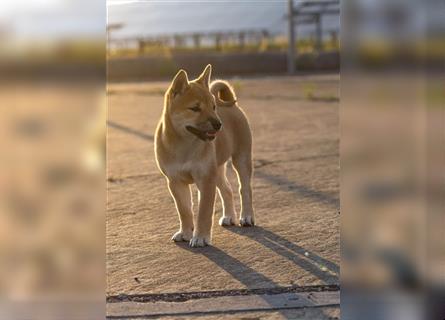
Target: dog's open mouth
203	135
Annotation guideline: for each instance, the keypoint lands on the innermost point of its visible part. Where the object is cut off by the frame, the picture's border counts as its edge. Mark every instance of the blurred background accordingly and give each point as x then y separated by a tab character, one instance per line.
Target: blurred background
392	159
52	226
151	39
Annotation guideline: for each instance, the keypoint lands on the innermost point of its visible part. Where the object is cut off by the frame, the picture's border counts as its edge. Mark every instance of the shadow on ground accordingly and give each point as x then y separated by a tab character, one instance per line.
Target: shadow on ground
300	190
303	258
325	270
128	130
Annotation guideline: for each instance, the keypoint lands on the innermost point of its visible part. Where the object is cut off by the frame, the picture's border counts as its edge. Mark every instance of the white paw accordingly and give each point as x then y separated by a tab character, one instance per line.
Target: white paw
198	241
182	235
227	221
247	221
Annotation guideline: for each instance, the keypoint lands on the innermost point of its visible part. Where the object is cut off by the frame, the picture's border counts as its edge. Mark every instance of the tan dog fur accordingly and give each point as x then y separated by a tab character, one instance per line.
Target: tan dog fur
188	150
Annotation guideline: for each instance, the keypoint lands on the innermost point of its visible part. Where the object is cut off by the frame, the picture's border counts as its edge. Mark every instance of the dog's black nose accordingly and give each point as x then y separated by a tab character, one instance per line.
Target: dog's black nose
216	124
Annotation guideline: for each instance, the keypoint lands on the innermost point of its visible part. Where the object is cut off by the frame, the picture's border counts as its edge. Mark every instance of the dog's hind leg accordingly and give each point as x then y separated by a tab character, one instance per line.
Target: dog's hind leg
243	166
183	201
226	195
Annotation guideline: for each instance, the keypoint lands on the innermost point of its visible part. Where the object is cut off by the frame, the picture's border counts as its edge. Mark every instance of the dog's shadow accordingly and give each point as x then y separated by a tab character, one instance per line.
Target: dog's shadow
323	269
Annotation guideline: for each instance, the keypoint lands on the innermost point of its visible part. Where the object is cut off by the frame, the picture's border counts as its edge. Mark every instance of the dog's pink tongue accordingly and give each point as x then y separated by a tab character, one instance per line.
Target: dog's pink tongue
211	133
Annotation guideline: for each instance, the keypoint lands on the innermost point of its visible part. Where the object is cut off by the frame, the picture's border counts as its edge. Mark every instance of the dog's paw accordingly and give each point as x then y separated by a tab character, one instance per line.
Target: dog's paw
248	221
182	235
227	221
198	241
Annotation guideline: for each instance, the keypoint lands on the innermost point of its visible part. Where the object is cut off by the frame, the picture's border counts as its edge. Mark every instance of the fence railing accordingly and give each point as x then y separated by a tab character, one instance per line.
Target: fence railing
195	40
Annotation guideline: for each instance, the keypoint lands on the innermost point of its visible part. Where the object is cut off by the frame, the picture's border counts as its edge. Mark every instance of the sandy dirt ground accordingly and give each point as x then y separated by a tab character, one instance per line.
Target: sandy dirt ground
296	195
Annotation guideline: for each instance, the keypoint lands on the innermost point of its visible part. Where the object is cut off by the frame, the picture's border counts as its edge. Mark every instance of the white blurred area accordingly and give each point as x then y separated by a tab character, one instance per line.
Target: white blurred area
392	160
52	134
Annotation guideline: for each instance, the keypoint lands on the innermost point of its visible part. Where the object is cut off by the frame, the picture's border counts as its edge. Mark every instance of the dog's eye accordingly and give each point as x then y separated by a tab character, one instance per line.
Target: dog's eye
195	108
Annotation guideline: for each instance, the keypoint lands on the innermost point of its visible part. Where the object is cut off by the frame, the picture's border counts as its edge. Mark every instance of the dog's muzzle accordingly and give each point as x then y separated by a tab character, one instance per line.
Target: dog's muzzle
205	135
216	124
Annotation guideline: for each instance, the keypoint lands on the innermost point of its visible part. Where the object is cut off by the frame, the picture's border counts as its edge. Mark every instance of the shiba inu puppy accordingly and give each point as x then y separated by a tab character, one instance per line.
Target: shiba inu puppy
201	128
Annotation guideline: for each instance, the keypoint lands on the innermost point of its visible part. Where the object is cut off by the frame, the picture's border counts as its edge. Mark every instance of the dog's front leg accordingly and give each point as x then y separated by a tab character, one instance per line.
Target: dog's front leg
180	192
202	233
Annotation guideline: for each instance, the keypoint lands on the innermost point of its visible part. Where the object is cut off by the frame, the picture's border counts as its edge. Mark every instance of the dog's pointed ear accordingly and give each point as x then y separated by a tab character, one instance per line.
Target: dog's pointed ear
180	83
204	78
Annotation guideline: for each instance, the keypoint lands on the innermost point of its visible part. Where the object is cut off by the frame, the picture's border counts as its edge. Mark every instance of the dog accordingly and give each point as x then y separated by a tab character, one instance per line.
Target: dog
200	129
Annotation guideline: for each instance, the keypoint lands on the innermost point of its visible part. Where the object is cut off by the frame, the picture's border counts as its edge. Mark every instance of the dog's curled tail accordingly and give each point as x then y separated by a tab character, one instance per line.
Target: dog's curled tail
223	92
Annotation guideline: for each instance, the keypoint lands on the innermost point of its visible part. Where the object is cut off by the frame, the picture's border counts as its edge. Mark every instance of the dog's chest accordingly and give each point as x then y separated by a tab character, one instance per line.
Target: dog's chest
184	170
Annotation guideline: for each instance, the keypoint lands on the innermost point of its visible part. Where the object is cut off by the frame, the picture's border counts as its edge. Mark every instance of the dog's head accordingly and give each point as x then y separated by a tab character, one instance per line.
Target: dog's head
191	107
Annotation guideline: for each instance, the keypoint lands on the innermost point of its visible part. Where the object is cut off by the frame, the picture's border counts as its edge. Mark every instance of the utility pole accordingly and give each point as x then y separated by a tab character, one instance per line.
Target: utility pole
291	38
318	33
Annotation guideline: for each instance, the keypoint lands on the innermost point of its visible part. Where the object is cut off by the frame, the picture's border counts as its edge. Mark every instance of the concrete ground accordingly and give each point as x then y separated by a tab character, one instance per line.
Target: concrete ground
296	197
